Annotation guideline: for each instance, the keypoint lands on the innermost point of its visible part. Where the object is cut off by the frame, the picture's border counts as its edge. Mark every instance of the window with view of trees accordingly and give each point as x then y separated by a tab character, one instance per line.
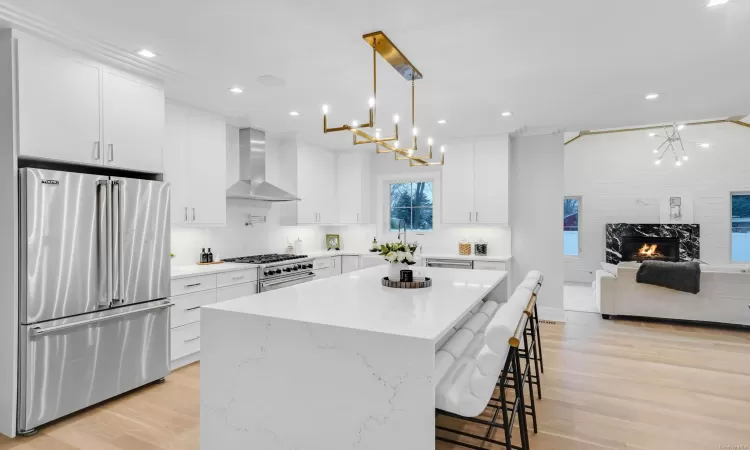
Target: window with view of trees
571	217
412	203
741	227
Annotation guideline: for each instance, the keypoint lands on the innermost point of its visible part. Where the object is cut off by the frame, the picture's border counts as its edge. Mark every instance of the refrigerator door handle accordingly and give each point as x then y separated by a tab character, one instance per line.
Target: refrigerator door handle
120	246
38	330
105	238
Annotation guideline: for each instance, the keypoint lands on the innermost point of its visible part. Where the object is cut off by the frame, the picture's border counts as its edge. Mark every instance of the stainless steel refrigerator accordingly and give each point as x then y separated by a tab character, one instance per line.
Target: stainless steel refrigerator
95	280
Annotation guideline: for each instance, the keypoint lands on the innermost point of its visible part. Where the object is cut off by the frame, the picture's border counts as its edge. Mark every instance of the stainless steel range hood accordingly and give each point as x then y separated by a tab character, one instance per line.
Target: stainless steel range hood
253	184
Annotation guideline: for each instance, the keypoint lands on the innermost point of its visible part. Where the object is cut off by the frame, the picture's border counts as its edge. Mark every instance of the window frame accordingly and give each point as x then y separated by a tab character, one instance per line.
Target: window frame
731	234
384	200
579	199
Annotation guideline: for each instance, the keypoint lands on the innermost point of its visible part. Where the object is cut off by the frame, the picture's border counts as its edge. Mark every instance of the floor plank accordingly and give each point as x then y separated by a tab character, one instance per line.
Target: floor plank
619	384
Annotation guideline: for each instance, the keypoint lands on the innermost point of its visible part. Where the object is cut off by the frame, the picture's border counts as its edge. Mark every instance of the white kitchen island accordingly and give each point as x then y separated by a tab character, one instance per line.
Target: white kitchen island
338	363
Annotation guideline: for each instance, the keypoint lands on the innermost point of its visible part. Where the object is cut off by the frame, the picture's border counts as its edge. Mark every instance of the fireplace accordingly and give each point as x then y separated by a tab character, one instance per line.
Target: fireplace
644	248
635	242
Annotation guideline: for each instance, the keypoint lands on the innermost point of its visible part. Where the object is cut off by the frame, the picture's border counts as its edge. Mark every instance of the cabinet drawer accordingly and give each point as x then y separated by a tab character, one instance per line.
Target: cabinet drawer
236	277
322	263
186	340
236	291
193	284
489	265
187	307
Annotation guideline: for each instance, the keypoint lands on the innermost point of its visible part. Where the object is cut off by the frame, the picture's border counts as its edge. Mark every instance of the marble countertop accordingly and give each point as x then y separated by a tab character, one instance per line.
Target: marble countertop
194	269
357	300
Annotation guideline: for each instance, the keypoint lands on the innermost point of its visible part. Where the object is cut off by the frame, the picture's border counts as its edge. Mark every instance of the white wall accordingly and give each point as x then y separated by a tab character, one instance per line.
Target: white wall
618	181
443	238
536	212
236	239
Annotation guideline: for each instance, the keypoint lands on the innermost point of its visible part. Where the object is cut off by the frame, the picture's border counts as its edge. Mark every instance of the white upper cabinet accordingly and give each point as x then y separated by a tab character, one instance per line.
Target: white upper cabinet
475	182
72	109
353	187
310	172
195	165
491	181
58	104
133	123
458	184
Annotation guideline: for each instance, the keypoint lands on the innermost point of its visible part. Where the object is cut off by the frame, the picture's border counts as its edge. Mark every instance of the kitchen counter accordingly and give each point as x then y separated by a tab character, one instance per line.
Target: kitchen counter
323	254
195	269
354	358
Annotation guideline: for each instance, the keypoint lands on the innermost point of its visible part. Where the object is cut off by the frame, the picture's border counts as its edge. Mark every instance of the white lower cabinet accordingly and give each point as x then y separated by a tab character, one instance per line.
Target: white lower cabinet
336	268
489	265
349	263
322	268
189	294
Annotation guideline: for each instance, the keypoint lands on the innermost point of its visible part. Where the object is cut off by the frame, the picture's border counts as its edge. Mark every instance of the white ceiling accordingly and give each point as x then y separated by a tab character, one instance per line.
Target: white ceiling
580	64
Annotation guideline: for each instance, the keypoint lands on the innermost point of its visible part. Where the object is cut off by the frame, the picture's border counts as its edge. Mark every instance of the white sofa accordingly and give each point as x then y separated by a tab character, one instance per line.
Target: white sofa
724	296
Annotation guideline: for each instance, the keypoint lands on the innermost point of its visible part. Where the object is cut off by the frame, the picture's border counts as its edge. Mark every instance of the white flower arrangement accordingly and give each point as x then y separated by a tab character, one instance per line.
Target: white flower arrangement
399	253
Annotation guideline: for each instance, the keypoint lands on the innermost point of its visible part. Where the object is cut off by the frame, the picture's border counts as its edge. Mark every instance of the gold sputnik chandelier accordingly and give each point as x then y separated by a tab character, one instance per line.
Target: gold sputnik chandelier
382	45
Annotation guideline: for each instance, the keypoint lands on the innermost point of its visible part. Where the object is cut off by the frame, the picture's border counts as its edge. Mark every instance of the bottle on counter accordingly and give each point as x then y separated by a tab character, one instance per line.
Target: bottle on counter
464	247
480	248
375	246
210	256
204	255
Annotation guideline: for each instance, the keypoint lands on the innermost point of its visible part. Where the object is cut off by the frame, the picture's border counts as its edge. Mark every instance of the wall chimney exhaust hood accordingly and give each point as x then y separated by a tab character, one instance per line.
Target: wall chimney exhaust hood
253	184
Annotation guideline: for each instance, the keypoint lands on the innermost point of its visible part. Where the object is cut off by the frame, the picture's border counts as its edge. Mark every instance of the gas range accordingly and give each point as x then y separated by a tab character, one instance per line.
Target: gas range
278	267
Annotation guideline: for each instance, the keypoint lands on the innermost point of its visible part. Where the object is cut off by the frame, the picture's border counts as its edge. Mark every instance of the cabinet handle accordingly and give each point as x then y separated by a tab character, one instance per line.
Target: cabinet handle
357	217
334	262
193	214
190	309
469	216
111	152
192	285
186	216
476	217
238	277
98	150
193	339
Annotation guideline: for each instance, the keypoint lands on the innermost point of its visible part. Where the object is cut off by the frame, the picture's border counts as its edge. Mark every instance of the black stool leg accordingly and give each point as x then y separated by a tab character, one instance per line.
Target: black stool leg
536	358
538	338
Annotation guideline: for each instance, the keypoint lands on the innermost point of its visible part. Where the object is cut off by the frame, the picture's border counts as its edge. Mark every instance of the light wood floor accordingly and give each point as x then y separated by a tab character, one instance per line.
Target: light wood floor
607	385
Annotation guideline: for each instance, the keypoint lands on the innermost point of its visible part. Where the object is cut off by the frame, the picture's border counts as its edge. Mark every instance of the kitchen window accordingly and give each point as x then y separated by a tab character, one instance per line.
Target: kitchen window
741	227
571	219
411	202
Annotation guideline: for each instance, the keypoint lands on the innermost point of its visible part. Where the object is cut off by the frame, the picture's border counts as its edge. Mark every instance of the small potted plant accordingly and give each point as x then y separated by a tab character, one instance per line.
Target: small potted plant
399	256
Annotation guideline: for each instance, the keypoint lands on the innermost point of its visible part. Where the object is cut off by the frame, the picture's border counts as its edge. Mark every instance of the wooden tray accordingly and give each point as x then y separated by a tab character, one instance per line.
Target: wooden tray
407	285
211	263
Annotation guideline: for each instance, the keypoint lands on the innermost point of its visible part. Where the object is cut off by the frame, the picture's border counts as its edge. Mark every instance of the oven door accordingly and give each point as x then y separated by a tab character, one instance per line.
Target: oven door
278	283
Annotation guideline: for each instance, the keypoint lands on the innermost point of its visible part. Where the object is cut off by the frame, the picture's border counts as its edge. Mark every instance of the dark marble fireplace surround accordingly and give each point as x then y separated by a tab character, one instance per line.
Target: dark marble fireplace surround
688	234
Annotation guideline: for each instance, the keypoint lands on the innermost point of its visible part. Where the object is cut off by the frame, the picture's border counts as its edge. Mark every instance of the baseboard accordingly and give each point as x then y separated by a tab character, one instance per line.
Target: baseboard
551	314
185	360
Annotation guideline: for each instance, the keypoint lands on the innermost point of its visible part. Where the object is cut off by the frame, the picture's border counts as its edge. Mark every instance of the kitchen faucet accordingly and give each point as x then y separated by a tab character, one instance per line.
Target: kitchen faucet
399	230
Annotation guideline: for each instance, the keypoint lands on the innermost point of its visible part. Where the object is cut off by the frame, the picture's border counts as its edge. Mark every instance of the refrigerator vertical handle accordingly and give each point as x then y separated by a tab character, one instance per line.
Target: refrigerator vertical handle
119	243
105	237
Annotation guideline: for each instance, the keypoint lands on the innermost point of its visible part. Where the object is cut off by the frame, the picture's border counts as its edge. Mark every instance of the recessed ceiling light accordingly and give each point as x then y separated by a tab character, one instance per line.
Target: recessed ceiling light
293	113
680	127
651	134
378	130
146	53
442	121
704	145
716	3
656	150
506	114
652	96
236	90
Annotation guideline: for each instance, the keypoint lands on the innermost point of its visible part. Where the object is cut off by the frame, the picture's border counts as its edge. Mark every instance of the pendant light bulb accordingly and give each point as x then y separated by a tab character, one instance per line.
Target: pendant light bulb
395	118
414	131
395	144
657	162
442	149
656	151
325	109
371	102
377	135
685	158
429	141
355	124
678	163
411	151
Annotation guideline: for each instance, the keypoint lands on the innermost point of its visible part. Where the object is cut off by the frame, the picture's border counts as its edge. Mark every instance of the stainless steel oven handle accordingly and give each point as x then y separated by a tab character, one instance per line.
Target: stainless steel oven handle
286	280
41	330
444	263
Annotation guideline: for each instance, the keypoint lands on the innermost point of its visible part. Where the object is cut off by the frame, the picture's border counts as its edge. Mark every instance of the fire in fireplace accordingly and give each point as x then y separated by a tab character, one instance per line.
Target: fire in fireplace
644	248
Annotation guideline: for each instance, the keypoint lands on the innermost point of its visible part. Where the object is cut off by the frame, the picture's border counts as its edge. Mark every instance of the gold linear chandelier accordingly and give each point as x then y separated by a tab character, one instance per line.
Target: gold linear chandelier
382	45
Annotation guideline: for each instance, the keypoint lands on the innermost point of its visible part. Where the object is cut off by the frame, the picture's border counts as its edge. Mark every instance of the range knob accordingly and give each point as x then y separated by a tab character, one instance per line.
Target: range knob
277	271
309	266
287	269
295	268
266	273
